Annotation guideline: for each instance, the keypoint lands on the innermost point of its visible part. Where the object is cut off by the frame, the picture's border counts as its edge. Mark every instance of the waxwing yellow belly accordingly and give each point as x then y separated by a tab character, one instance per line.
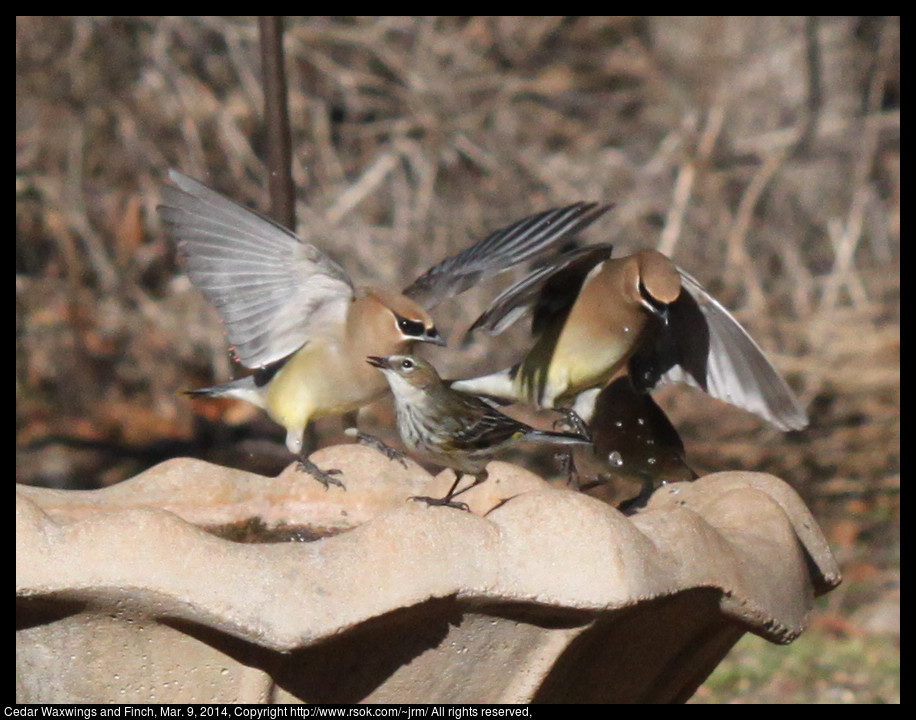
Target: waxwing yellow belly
600	334
317	381
585	363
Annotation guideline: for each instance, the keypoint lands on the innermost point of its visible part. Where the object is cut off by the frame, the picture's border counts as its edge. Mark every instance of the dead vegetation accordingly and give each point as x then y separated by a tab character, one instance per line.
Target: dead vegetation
763	154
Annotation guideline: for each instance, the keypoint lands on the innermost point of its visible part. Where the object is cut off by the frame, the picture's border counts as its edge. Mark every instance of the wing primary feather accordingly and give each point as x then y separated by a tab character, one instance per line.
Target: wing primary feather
520	298
738	371
502	250
272	289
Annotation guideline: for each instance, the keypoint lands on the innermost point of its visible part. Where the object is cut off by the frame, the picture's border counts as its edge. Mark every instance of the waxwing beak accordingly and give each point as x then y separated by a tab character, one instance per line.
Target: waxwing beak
433	336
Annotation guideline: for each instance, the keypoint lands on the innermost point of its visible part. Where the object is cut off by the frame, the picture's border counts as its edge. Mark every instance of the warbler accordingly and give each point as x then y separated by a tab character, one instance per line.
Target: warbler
294	315
453	429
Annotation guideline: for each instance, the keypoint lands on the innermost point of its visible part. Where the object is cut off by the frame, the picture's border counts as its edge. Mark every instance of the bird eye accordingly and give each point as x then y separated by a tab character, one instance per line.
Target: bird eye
651	303
410	328
407	364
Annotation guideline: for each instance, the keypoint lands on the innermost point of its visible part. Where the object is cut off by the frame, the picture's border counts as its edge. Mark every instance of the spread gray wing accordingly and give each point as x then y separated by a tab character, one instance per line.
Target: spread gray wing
737	371
272	289
551	288
502	250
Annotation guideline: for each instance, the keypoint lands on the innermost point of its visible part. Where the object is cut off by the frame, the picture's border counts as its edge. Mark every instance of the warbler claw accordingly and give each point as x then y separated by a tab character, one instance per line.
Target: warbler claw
443	502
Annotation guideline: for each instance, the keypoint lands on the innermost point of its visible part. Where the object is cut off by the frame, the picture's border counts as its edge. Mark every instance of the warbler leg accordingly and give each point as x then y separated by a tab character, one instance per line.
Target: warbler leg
447	500
478	478
441	502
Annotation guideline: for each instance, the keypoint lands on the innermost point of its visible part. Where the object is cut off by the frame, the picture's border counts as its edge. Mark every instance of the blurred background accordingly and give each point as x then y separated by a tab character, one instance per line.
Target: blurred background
762	154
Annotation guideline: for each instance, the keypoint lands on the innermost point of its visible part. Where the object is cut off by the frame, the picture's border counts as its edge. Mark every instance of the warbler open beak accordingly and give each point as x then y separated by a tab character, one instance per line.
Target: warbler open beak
379	362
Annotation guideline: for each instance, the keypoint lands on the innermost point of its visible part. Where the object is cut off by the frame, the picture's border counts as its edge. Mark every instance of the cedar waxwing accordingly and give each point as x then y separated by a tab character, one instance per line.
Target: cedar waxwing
449	428
294	315
598	318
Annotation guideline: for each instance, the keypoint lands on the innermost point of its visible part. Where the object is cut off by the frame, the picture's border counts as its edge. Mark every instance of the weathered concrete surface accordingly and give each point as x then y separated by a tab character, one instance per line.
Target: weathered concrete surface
538	594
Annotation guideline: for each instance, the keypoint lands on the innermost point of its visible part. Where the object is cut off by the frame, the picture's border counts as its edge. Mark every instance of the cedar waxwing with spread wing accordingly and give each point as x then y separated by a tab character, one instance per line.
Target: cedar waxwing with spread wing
453	429
293	314
597	318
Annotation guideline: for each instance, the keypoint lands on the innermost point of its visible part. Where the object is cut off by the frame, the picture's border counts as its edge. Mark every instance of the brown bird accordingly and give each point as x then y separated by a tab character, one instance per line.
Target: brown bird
596	318
453	429
634	444
293	314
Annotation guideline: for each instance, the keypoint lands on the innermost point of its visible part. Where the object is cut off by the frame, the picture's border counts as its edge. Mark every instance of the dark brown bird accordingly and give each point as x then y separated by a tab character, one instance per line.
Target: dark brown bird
635	446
